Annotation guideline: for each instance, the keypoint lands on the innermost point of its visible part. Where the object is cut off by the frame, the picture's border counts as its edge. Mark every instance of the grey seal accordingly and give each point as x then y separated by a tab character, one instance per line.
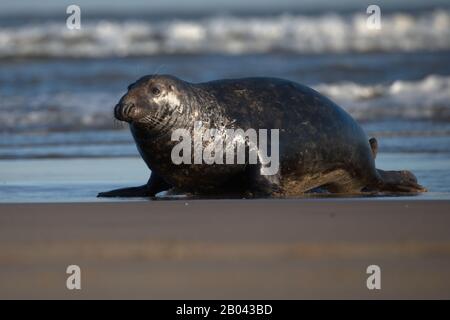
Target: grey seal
321	147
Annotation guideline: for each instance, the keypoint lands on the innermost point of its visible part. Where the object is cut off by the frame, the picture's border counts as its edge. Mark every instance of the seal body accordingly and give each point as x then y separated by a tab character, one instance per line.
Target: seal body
320	145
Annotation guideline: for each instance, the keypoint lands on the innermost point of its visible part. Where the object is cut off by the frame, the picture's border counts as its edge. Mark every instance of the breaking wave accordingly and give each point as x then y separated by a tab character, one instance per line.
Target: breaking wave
332	33
427	99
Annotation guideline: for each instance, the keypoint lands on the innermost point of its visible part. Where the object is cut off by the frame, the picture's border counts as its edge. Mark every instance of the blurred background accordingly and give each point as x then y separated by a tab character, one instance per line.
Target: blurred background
58	86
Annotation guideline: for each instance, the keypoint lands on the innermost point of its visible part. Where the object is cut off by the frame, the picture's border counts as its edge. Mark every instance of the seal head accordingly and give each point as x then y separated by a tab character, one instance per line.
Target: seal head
154	102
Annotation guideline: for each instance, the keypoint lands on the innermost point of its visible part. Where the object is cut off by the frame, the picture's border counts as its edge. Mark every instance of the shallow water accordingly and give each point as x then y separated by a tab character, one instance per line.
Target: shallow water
75	180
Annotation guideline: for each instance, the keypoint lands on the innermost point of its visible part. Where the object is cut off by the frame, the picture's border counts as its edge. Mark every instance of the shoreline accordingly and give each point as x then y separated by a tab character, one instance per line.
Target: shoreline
236	249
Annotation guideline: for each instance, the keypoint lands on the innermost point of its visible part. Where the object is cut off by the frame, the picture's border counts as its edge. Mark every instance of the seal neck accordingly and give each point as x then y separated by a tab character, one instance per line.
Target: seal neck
204	107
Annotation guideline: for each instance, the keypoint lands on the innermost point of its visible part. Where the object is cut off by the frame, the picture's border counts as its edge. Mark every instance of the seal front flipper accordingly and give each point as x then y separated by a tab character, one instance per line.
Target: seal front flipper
261	186
141	191
154	185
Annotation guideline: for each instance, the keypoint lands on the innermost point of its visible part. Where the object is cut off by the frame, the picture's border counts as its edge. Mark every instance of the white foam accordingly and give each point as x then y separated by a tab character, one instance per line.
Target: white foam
428	98
230	35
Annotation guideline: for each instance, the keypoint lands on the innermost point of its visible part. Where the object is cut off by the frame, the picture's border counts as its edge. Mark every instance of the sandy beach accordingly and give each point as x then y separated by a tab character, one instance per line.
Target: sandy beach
234	249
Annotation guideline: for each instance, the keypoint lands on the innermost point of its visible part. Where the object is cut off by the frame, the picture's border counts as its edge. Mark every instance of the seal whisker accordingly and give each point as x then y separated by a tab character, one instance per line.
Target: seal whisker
118	124
150	119
158	69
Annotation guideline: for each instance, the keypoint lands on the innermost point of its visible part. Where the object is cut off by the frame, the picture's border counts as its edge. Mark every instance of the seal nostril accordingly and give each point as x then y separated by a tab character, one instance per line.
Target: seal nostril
128	109
124	112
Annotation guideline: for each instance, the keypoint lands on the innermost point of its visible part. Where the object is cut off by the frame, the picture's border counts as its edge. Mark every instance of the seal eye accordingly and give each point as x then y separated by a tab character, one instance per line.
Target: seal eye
156	91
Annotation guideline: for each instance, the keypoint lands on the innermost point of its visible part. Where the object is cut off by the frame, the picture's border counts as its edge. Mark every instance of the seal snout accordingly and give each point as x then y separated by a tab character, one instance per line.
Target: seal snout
124	111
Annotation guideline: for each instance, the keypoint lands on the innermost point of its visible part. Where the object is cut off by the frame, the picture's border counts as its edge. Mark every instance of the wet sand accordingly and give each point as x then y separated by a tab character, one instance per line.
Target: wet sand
236	249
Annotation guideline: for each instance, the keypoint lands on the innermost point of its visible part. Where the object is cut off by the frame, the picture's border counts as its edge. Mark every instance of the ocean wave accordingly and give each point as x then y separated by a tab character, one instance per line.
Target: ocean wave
230	35
426	99
62	111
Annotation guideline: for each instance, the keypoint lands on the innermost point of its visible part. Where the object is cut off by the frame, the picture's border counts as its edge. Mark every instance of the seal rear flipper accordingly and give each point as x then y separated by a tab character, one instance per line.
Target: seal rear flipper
399	182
